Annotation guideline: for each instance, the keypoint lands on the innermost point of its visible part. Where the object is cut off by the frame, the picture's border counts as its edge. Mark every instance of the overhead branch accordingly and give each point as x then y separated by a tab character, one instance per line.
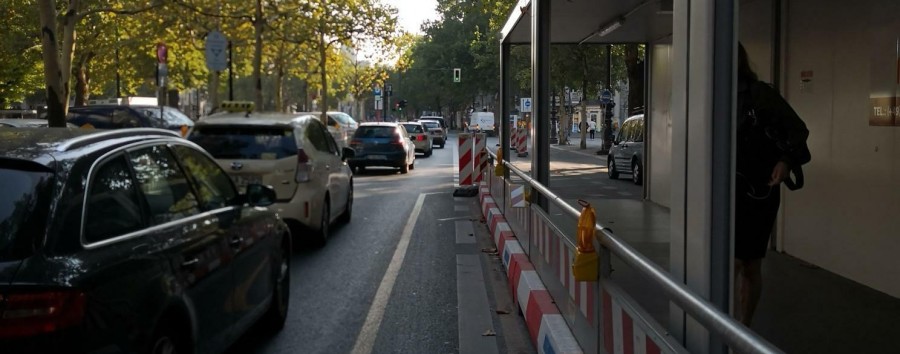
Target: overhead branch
134	11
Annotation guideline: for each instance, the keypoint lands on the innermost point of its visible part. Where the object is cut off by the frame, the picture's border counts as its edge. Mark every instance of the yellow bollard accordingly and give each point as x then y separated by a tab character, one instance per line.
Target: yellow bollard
587	260
499	169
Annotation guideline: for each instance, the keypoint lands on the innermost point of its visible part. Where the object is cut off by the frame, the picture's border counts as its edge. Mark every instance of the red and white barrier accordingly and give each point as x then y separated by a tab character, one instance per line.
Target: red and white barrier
546	326
480	156
522	145
513	138
466	174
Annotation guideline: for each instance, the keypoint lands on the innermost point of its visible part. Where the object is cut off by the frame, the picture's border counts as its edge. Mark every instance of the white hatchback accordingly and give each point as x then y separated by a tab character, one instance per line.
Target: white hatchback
293	153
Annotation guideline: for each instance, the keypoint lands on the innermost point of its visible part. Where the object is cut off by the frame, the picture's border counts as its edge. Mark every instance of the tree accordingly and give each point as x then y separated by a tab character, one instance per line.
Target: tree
20	56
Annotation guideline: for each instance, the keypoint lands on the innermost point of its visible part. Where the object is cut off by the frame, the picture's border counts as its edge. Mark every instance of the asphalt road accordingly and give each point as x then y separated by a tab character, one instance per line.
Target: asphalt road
387	281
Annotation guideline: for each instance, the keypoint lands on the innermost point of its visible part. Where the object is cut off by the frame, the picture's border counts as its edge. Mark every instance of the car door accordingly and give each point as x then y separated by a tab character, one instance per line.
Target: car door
340	177
325	163
198	250
622	149
249	234
636	143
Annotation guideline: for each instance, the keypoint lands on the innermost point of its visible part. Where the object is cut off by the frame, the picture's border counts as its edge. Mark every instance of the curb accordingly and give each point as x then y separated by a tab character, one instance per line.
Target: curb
548	329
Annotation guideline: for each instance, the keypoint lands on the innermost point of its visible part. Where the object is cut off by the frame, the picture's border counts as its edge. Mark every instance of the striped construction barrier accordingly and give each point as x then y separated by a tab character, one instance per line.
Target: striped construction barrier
546	326
465	160
479	154
517	196
522	145
513	138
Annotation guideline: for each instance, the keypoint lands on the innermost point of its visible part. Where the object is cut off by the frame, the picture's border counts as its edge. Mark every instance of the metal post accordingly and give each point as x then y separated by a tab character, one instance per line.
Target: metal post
607	108
540	90
504	106
230	73
723	112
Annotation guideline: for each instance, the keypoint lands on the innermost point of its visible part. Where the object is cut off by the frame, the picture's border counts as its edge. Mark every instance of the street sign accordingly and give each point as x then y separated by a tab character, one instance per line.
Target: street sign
389	90
162	70
216	55
162	53
377	91
379	104
606	97
526	105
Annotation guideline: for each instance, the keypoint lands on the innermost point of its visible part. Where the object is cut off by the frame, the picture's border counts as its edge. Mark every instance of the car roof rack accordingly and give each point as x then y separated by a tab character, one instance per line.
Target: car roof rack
113	134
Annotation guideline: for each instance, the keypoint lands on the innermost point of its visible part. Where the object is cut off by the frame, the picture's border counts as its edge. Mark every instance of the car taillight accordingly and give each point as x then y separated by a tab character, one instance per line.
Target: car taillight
356	142
397	140
420	138
303	167
27	314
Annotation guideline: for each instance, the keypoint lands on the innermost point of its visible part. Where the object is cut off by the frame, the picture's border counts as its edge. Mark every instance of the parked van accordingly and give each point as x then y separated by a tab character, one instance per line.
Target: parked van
484	121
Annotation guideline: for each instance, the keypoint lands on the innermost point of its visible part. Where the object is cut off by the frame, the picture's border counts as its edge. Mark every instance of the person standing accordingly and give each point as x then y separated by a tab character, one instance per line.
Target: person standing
771	143
592	126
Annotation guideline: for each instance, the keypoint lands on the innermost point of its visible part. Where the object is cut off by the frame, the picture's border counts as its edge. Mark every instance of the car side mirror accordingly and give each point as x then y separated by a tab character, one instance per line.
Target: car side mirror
347	153
260	195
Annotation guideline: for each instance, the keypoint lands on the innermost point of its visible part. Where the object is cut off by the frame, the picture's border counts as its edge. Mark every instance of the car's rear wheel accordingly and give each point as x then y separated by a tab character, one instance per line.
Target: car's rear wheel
348	209
324	224
360	169
404	168
429	152
281	291
611	168
636	173
167	339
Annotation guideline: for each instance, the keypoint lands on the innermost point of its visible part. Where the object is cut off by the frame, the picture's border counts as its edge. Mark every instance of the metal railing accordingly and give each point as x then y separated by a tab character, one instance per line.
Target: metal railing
733	333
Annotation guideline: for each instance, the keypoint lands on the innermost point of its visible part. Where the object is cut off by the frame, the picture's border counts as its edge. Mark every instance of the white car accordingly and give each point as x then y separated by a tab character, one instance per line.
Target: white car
341	126
294	154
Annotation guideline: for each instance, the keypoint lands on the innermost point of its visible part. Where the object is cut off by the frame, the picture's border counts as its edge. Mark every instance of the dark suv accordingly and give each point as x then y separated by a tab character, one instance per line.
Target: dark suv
131	241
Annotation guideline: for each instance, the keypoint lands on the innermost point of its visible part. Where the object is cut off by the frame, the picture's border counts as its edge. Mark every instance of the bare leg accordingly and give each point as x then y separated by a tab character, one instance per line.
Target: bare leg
750	288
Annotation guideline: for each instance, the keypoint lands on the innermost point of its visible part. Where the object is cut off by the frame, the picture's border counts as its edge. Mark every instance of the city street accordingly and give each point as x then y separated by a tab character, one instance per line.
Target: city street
406	275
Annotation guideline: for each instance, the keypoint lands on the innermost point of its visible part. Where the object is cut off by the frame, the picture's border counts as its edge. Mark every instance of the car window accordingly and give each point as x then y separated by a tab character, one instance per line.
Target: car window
317	136
245	142
113	205
375	131
170	116
638	130
24	205
214	187
163	185
431	124
413	128
332	144
123	118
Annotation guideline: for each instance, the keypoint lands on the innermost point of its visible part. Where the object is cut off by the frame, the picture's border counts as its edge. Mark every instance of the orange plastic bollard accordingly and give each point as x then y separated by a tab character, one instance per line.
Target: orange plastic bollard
586	266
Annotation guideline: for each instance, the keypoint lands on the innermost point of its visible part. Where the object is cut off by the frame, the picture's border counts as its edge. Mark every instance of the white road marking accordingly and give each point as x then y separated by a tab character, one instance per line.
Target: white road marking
366	338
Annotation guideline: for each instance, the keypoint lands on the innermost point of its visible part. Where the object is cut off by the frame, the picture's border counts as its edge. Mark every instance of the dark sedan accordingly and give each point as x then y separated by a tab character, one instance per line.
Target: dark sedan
131	241
382	144
118	117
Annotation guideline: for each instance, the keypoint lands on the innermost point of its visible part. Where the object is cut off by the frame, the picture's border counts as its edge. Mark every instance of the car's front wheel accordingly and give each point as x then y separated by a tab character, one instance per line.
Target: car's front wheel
611	168
167	339
324	224
348	209
281	291
637	173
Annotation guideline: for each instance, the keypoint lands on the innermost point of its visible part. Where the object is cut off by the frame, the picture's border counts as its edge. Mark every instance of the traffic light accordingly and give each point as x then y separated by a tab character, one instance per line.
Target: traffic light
402	104
457	73
396	105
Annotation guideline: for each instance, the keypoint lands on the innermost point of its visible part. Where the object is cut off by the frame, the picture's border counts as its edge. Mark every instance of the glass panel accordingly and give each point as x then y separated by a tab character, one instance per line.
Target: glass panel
317	136
213	185
163	184
24	205
113	208
245	142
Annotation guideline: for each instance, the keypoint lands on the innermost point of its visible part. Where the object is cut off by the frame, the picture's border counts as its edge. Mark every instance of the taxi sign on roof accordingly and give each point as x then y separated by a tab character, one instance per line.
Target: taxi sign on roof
237	106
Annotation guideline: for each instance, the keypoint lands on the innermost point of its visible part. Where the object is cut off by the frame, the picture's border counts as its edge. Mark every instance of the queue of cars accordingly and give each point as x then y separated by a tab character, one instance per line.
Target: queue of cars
141	240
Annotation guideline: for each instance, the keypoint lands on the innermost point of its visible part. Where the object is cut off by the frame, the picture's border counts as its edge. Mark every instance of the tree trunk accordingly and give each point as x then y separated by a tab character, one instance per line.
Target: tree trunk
57	61
258	24
279	90
635	66
361	108
83	81
563	118
323	62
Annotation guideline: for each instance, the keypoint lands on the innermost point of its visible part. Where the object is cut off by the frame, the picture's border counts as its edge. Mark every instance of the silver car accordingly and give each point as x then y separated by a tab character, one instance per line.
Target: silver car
291	152
420	137
627	153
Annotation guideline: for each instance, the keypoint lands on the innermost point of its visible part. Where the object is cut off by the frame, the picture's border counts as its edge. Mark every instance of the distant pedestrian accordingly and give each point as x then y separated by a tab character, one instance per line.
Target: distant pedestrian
592	126
770	144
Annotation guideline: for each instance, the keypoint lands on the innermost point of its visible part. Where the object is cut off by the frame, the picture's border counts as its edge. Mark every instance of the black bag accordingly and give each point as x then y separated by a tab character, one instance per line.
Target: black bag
784	127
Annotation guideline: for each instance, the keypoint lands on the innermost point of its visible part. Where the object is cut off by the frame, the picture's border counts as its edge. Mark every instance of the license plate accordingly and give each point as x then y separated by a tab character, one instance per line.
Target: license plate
243	181
377	157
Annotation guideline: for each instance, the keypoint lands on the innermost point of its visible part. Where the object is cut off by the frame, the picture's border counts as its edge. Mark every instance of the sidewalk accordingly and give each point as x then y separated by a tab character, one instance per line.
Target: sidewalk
804	309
